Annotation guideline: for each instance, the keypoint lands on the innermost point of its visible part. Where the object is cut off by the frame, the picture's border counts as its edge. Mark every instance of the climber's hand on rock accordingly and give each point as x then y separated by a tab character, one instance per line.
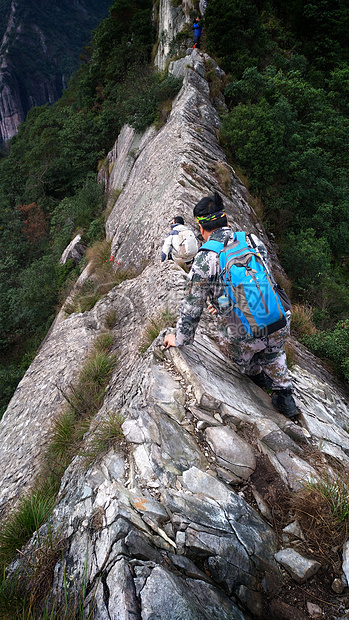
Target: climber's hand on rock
211	309
170	341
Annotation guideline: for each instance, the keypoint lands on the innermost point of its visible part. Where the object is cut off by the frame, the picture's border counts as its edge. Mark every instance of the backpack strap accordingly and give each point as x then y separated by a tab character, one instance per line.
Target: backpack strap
214	246
217	246
240	236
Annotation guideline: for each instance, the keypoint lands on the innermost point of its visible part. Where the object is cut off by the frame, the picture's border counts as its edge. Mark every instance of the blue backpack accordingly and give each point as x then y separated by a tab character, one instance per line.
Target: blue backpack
249	290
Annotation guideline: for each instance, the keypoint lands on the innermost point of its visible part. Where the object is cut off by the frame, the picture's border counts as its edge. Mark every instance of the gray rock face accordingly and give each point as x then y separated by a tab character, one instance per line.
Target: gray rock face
346	561
74	251
25	426
299	567
158	527
231	451
171	20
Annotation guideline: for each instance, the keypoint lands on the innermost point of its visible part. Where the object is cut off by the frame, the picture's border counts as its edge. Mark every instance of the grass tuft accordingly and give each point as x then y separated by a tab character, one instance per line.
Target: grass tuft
110	319
83	401
96	371
27	517
322	509
107	434
62	437
104	342
26	594
155	324
335	490
223	176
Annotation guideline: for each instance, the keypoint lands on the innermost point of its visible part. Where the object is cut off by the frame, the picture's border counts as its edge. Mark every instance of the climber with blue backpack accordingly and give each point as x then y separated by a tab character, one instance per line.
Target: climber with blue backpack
231	269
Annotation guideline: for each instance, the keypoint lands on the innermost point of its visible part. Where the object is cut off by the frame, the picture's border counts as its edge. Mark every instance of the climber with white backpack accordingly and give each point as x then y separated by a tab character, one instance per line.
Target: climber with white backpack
231	270
181	244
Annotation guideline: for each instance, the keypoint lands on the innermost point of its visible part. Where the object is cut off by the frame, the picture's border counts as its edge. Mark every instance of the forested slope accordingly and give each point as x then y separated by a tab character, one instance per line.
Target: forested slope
40	44
286	130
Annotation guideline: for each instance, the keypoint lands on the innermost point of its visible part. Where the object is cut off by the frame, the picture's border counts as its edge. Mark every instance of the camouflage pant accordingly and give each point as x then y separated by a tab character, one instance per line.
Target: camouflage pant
254	355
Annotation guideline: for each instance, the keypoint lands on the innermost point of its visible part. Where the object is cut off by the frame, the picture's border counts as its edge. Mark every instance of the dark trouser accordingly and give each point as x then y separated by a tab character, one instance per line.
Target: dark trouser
196	42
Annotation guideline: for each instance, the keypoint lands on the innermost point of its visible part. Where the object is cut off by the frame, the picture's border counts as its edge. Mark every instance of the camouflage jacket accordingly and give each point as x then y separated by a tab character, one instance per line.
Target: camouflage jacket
203	283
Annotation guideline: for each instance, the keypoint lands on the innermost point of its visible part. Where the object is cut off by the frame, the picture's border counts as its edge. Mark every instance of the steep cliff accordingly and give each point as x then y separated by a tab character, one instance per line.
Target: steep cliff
172	18
39	51
178	521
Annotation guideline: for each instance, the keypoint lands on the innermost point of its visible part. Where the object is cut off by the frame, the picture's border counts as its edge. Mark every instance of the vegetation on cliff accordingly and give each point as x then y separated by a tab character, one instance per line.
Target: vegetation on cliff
48	187
287	129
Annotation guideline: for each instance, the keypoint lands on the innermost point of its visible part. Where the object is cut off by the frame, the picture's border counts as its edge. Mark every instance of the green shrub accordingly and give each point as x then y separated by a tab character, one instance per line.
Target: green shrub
307	259
332	345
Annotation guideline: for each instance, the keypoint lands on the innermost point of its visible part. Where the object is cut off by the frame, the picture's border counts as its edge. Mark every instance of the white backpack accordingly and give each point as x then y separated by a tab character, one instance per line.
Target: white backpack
188	245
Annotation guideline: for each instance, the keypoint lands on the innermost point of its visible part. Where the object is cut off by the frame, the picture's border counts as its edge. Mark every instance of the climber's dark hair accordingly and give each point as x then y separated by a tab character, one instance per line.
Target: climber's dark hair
178	219
207	207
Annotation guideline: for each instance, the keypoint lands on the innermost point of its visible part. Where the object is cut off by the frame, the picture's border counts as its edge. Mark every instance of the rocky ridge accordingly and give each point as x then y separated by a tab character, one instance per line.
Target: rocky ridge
172	523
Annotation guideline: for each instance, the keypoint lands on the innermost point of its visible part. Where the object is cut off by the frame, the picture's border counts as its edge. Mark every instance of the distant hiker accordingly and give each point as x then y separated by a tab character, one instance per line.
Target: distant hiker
251	318
180	244
197	25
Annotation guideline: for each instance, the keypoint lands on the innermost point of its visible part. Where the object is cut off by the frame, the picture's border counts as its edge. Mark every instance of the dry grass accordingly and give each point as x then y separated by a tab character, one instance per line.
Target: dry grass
163	113
24	593
290	355
322	509
98	256
257	205
223	176
105	274
85	297
302	320
110	319
39	564
314	516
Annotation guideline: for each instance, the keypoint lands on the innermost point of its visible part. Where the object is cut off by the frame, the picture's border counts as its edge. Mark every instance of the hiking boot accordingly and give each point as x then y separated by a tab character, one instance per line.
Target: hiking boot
262	380
284	402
